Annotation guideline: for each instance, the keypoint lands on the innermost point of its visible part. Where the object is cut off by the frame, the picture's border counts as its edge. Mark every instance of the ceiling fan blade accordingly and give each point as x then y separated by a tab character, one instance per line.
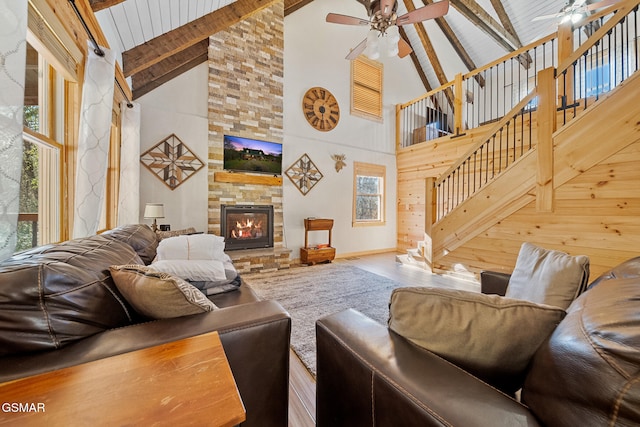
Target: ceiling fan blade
435	10
356	51
404	48
600	4
543	17
386	7
336	18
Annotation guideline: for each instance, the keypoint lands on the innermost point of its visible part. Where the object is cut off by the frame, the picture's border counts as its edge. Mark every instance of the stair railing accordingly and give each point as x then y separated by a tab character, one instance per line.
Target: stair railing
608	56
511	137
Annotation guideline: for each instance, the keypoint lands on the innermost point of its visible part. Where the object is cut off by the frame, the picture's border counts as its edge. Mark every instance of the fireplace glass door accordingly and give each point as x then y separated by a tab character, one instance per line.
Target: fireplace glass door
247	227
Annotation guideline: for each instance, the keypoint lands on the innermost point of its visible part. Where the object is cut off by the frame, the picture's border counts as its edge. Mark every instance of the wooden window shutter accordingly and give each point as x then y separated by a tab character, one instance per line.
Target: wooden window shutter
366	88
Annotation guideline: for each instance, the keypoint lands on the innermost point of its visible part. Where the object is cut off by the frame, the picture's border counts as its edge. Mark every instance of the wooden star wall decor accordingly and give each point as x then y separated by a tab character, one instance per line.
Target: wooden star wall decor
304	174
171	161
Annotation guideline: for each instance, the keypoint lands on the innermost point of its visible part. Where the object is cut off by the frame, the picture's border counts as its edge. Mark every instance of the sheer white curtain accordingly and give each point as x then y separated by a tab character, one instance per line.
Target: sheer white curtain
13	51
93	141
129	193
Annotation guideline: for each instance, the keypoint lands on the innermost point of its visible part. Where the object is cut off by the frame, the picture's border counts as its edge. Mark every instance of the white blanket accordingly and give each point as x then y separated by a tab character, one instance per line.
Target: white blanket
192	247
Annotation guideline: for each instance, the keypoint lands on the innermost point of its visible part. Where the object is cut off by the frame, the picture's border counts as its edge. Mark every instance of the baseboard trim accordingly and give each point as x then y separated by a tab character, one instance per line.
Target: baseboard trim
364	253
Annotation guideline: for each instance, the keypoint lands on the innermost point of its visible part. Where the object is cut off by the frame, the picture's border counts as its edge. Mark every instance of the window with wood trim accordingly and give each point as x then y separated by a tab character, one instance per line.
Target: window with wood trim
366	88
368	194
40	185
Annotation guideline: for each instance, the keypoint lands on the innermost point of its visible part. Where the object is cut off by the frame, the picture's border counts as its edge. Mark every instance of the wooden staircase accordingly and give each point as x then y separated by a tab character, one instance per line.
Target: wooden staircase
605	137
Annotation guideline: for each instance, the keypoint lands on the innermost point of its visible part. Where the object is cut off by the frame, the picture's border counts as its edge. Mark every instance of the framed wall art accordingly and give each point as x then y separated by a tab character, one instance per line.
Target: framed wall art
171	161
304	174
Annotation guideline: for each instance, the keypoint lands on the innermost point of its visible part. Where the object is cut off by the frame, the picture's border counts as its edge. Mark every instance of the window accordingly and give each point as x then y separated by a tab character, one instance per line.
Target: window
368	194
366	88
39	217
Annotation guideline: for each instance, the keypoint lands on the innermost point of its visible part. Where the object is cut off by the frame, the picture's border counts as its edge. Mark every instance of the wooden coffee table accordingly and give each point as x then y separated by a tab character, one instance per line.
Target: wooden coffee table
186	382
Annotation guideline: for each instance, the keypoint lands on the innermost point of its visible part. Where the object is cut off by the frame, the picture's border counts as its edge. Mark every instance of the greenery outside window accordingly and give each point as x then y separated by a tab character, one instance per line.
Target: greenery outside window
368	194
366	88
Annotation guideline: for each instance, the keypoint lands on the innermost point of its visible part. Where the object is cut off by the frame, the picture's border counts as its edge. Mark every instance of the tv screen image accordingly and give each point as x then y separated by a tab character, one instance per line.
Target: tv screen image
252	155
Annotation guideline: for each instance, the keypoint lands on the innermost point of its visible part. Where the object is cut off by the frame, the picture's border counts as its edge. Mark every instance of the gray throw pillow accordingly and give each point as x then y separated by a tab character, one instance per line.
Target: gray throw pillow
548	277
158	295
490	336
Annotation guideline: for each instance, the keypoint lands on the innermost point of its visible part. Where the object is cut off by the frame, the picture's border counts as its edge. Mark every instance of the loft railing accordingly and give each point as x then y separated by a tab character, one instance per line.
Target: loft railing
511	136
480	97
488	93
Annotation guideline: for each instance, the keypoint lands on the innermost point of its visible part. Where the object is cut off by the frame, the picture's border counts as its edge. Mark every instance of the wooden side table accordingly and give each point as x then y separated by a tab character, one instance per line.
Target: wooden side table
186	382
320	253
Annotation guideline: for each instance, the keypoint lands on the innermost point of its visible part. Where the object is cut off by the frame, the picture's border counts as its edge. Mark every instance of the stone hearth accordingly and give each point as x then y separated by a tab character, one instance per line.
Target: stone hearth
260	260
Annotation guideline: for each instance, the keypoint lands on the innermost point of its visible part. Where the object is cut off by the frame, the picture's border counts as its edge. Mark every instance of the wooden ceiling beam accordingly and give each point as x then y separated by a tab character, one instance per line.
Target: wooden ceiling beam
291	6
525	59
471	10
431	52
457	45
155	50
416	62
169	68
97	5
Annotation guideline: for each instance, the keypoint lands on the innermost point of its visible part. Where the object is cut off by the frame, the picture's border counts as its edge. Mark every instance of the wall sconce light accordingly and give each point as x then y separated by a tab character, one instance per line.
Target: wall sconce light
154	211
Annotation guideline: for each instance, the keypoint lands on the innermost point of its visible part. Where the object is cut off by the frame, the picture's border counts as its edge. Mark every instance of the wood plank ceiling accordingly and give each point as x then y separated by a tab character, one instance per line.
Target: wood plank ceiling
160	39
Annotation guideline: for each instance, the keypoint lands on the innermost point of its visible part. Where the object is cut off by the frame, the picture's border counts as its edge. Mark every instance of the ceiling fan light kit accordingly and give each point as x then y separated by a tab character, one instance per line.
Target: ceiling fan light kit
384	23
577	10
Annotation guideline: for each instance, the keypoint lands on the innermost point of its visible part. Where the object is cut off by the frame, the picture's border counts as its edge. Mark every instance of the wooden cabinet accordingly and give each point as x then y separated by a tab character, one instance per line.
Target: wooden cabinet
321	252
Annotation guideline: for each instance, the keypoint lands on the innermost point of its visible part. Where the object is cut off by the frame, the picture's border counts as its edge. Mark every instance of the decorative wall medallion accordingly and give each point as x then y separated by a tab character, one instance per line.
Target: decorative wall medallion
304	174
171	161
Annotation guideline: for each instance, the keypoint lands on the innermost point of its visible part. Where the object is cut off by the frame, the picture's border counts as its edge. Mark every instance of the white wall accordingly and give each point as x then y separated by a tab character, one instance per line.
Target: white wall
178	107
314	56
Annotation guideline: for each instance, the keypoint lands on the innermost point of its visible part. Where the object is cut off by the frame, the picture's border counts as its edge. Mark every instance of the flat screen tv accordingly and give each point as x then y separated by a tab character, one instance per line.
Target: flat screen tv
252	155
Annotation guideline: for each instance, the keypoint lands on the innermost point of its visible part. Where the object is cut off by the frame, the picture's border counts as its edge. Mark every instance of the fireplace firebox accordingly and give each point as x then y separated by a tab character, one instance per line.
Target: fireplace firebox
246	226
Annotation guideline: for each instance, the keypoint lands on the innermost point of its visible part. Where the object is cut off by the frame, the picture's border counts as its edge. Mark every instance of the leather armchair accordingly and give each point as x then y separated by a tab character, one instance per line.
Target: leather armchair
586	373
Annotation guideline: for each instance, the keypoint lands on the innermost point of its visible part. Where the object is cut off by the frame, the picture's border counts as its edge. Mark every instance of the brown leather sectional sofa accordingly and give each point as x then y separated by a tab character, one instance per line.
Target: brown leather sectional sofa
587	373
59	307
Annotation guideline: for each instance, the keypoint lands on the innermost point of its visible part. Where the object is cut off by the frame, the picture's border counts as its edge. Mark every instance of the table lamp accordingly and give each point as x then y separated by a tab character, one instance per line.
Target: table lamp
155	211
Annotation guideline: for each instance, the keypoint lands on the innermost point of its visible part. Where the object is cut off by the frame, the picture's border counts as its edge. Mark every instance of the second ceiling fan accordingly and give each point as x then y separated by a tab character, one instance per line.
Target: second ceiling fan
384	21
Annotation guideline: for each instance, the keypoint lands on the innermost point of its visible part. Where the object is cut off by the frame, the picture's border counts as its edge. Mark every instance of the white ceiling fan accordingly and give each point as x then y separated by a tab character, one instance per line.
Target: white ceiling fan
384	21
576	10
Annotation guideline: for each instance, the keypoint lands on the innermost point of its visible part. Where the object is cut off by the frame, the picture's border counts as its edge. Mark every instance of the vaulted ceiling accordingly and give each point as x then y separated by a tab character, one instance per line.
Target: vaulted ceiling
160	39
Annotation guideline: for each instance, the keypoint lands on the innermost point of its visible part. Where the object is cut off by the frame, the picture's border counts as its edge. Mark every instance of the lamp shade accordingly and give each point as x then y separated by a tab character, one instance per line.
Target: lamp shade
154	210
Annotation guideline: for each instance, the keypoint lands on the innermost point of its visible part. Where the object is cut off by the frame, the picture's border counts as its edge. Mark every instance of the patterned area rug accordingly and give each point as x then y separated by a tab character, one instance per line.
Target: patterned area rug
309	293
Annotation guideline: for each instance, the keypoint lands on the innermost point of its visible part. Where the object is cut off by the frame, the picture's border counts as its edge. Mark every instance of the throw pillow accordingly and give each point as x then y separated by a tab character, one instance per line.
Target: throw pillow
490	336
196	246
548	277
192	269
158	295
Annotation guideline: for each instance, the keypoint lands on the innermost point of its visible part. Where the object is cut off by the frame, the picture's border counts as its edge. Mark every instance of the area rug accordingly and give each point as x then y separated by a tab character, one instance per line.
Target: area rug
309	293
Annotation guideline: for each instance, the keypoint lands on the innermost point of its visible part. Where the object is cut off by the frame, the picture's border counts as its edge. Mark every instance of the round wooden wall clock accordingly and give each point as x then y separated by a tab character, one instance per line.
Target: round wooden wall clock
321	109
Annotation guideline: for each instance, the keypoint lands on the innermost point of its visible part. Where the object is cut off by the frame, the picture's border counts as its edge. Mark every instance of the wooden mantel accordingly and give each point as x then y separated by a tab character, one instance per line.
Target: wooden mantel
243	178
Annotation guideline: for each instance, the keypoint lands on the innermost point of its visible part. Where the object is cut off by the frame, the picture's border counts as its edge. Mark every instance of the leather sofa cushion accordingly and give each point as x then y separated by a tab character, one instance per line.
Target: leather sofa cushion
548	277
140	237
588	372
57	294
492	337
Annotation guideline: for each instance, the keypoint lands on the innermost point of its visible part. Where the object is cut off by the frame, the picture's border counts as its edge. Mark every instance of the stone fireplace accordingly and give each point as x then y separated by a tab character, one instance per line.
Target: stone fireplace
246	226
246	69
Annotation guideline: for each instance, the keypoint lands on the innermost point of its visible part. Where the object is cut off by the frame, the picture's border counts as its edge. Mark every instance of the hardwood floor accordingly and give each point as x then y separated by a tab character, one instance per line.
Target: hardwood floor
302	385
